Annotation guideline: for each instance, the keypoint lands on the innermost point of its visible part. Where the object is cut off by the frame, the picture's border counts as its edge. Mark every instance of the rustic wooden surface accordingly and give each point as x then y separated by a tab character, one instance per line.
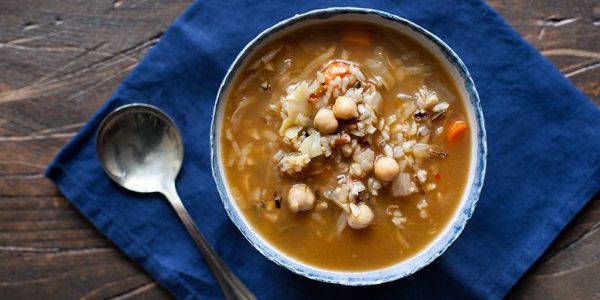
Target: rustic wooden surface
60	60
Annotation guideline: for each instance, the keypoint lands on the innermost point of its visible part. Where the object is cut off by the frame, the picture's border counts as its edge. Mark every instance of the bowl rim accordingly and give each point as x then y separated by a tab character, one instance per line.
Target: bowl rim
400	269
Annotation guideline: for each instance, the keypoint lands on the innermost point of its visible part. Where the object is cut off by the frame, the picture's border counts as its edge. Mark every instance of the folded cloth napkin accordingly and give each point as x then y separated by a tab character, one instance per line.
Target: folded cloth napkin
543	161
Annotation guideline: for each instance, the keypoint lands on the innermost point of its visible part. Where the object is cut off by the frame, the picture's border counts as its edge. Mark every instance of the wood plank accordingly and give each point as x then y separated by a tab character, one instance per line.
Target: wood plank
570	269
60	61
568	34
47	248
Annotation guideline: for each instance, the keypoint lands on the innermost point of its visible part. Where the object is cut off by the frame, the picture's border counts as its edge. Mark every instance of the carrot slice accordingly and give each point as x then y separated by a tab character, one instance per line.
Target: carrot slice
356	36
456	130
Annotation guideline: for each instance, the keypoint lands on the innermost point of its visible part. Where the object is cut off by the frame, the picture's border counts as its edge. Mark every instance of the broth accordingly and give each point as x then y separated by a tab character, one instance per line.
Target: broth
263	160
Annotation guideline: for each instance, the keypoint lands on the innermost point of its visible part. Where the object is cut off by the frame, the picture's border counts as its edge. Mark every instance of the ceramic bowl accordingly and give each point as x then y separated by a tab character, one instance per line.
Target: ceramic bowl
462	80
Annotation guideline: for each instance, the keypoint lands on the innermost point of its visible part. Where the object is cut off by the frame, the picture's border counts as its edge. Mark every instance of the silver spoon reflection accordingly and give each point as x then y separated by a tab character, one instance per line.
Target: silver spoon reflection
141	149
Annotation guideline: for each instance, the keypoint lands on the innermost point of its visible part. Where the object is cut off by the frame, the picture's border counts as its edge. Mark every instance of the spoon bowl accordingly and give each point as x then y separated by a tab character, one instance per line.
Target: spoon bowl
141	149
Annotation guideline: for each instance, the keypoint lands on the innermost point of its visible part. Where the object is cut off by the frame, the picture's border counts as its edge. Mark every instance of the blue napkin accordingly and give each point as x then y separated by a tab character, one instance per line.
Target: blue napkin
543	161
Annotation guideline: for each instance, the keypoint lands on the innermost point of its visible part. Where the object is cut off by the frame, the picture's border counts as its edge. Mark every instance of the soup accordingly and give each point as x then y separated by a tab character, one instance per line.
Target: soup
346	146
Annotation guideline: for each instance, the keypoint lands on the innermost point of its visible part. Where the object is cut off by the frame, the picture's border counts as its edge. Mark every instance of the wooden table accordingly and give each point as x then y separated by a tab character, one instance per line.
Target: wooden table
60	60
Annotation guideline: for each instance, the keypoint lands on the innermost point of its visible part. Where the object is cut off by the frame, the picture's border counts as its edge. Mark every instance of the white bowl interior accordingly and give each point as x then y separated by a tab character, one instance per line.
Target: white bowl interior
464	85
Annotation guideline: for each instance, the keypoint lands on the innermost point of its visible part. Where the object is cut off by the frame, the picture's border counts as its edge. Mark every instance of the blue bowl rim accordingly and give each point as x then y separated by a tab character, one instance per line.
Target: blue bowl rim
398	270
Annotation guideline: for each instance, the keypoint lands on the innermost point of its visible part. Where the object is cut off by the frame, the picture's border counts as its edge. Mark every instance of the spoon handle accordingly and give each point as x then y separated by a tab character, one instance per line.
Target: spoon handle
230	284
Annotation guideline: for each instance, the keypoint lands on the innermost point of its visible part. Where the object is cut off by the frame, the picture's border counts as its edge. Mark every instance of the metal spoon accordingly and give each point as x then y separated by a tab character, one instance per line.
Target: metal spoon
141	150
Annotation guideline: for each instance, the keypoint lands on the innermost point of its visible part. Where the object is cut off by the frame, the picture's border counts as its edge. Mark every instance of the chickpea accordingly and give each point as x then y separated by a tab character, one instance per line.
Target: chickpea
386	169
345	108
360	217
325	121
300	198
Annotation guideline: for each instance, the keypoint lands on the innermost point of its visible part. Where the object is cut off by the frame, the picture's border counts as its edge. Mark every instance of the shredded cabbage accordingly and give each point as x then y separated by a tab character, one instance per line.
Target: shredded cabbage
292	132
297	102
403	185
374	100
311	145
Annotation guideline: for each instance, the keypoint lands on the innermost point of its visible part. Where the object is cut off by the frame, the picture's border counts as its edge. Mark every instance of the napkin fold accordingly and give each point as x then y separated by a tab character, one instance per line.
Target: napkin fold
543	159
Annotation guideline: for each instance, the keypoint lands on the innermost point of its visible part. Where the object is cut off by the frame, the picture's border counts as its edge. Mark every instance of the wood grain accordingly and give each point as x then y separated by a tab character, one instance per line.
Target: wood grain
60	60
567	33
